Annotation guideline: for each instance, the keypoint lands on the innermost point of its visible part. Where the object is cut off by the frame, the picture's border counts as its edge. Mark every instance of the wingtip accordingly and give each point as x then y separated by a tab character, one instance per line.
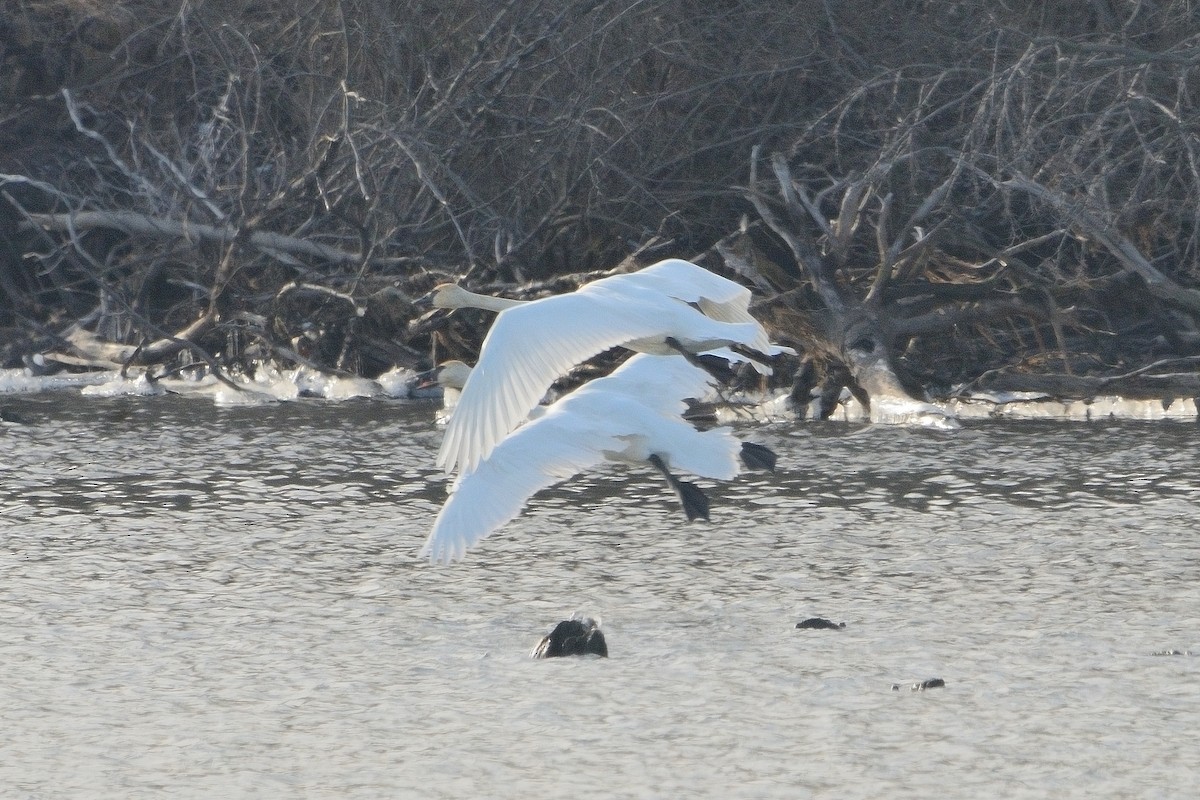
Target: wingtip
442	549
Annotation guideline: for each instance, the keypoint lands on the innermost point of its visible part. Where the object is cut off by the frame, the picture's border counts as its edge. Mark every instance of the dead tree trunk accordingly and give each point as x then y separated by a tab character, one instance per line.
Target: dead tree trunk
856	329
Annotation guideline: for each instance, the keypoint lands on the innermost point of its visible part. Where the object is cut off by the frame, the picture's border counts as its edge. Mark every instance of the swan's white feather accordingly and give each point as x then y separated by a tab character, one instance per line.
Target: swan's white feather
531	459
717	298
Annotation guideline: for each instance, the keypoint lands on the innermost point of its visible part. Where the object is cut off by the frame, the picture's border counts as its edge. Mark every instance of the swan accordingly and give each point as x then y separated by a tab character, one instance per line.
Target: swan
670	307
631	416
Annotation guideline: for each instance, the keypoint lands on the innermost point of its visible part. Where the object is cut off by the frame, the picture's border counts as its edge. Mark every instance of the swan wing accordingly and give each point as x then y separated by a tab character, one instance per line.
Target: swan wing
531	345
637	411
692	284
622	417
533	458
717	298
659	382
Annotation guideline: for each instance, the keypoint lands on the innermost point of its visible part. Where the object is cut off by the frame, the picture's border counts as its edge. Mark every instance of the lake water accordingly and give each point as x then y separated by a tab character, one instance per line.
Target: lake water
226	602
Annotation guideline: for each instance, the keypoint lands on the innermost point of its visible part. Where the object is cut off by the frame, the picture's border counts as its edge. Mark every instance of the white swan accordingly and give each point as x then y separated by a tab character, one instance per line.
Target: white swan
630	416
666	308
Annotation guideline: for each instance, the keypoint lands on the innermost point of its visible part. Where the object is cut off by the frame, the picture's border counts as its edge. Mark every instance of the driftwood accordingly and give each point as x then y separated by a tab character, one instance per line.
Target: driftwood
857	332
88	346
1084	387
1015	230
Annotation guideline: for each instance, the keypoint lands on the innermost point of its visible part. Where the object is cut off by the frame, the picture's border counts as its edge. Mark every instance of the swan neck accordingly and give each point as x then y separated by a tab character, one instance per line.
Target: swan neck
489	303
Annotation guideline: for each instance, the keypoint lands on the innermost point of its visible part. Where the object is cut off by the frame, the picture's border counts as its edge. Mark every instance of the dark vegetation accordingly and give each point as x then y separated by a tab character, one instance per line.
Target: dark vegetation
926	195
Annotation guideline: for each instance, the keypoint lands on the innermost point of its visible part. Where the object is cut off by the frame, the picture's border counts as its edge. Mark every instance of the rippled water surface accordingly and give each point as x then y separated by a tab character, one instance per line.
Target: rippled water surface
205	602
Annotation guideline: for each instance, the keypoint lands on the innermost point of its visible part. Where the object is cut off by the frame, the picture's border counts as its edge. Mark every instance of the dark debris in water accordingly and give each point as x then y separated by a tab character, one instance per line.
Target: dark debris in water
932	683
820	624
10	414
1172	653
573	637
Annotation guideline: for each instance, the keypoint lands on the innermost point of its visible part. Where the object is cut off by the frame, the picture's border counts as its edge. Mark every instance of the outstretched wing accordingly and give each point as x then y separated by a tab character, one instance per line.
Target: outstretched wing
661	383
632	414
718	298
533	458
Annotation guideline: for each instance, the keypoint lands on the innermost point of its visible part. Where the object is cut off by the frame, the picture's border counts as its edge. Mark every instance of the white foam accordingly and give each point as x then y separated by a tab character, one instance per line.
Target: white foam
224	395
312	383
397	382
137	386
915	413
1040	407
272	384
22	381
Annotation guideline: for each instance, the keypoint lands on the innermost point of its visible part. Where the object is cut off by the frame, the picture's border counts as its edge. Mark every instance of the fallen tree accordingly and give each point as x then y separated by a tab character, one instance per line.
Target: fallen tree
1005	226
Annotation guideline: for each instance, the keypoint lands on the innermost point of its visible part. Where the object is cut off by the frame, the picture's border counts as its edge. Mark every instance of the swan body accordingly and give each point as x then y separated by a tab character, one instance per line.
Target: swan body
632	416
666	308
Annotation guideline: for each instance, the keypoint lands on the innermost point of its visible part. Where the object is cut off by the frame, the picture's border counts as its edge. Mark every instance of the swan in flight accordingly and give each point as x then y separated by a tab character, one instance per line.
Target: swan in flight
670	307
631	416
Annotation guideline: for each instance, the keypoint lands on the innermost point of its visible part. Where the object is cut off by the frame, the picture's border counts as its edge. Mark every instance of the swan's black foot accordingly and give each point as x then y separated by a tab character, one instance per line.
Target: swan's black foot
719	368
716	366
756	456
573	637
694	500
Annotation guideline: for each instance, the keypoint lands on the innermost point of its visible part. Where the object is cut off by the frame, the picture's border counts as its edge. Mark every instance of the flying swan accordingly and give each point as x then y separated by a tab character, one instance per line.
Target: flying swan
670	307
631	416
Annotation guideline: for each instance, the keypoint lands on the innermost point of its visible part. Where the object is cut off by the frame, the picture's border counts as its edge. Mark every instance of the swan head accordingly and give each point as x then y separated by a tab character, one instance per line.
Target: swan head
447	375
452	374
450	295
444	295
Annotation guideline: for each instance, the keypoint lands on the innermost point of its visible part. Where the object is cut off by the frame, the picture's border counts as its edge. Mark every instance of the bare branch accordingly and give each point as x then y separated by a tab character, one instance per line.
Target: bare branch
1107	235
140	224
849	215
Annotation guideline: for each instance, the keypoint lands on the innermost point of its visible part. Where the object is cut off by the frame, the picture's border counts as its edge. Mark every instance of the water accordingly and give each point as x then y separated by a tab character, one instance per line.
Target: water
207	602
